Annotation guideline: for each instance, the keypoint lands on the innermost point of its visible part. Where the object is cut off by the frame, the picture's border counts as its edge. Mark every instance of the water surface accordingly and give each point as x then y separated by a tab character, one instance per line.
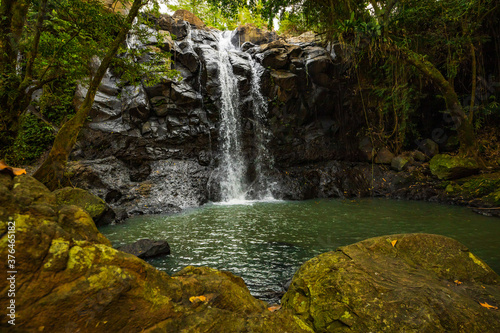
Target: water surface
266	242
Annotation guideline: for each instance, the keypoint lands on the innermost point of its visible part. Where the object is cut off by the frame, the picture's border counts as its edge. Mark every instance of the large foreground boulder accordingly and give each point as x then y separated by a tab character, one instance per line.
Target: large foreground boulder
70	279
398	283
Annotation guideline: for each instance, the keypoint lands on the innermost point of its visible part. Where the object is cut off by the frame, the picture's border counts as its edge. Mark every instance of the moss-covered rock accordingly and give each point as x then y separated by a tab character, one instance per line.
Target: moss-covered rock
480	190
97	208
70	279
400	162
453	167
398	283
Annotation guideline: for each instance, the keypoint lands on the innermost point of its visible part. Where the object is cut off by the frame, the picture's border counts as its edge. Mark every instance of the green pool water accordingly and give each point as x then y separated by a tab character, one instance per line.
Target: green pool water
266	242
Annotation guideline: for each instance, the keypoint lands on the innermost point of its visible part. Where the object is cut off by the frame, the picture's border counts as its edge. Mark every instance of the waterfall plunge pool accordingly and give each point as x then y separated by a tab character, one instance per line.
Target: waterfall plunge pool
266	242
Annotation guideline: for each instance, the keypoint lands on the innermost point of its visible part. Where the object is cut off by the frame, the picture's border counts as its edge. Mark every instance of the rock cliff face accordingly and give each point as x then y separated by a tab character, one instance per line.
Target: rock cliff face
154	149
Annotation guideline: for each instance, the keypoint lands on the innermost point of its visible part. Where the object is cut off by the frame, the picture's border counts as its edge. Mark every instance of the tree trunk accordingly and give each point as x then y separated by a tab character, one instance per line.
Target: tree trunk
52	170
462	123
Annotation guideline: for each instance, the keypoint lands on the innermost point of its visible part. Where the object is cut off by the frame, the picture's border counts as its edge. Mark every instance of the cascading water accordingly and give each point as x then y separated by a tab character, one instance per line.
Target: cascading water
233	166
232	163
264	160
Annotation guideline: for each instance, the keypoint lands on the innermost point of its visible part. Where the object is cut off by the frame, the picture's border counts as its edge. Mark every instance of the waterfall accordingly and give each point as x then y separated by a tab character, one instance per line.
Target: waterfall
232	165
264	160
232	162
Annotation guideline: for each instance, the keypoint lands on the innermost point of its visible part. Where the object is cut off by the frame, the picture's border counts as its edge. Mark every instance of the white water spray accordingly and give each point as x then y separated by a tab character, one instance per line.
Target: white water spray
232	163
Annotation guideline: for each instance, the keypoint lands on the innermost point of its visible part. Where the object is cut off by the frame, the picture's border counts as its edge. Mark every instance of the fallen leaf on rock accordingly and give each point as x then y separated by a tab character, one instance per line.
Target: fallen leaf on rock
13	171
274	308
194	299
394	242
486	305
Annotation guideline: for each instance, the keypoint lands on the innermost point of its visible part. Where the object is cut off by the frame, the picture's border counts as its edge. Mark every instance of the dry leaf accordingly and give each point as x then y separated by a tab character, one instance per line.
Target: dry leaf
486	305
457	282
13	171
274	308
194	299
394	242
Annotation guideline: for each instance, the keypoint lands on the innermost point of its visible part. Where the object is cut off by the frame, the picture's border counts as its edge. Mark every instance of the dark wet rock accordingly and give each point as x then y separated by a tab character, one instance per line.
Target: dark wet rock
453	167
419	156
276	58
384	156
429	147
135	103
178	28
366	149
97	208
397	283
146	248
399	163
158	187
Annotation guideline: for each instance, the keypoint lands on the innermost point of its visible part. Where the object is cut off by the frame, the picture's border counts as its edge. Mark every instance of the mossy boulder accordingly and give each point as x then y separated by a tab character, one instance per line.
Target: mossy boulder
453	167
97	208
401	162
70	279
397	283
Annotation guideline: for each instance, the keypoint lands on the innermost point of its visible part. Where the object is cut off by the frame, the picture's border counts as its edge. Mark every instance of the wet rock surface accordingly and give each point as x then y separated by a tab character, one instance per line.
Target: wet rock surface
146	248
397	283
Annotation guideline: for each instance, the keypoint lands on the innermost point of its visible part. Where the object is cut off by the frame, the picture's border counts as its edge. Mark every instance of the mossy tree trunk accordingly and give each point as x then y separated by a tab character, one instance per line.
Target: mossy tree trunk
461	121
12	18
52	170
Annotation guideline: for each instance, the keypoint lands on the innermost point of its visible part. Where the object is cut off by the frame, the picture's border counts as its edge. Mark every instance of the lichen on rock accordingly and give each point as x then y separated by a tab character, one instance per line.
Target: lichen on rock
421	283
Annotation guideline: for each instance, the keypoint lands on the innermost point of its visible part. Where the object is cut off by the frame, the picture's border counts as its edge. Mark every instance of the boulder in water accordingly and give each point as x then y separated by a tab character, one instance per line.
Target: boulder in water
146	248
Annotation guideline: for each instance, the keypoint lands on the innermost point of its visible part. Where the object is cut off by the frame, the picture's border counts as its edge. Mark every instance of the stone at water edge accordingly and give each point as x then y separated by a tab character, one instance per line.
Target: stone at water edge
453	167
146	248
397	283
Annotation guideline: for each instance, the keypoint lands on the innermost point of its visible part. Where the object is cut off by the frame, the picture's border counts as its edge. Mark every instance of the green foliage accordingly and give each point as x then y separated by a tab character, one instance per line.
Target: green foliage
56	102
226	17
31	142
59	44
293	24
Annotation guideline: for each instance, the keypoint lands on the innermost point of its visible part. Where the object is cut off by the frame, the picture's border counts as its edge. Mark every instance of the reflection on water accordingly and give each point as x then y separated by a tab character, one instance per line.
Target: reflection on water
266	242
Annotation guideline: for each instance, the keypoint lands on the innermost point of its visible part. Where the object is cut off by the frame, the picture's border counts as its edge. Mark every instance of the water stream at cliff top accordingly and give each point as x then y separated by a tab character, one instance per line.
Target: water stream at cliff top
265	243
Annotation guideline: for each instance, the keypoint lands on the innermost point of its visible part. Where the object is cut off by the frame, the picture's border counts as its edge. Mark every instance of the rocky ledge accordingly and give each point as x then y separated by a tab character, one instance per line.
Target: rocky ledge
70	279
397	283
